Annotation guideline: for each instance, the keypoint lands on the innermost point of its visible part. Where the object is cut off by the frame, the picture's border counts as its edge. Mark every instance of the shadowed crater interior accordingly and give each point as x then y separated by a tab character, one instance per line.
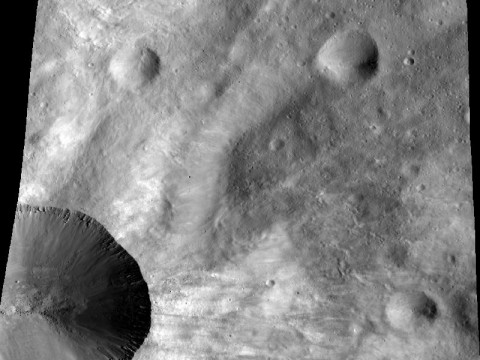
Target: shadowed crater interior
349	56
406	310
427	308
67	270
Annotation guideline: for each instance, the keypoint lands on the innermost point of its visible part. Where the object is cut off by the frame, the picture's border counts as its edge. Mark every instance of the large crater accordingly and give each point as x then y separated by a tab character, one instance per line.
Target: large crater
67	274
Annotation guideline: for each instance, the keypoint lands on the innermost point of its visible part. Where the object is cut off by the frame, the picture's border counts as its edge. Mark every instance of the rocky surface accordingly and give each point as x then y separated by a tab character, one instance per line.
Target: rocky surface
293	178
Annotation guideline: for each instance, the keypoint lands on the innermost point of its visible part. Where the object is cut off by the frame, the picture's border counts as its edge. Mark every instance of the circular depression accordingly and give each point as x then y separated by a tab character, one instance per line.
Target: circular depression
65	268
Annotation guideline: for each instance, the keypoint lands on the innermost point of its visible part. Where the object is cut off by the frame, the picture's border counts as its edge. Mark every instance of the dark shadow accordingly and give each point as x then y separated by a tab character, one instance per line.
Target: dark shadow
66	267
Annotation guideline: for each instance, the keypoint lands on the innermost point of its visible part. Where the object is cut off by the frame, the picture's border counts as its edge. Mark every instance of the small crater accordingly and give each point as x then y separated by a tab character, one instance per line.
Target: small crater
427	308
134	66
383	113
270	283
465	311
368	204
277	144
330	15
408	61
348	56
410	171
420	187
375	129
407	310
451	259
35	138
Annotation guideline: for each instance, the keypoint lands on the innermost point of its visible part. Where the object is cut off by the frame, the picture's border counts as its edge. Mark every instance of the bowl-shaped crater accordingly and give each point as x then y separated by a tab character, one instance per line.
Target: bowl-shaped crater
66	271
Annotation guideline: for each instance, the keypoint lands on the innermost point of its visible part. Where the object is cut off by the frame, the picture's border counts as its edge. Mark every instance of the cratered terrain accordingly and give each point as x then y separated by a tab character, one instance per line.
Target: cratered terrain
292	177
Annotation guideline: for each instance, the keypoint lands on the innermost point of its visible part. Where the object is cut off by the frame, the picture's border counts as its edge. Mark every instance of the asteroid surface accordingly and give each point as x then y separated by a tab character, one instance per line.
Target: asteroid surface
293	178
